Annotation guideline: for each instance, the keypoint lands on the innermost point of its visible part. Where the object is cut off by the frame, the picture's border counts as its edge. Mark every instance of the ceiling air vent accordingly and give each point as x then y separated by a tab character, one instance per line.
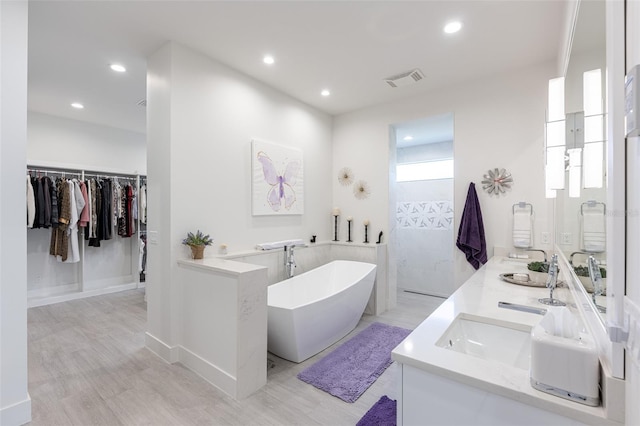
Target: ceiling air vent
142	103
405	78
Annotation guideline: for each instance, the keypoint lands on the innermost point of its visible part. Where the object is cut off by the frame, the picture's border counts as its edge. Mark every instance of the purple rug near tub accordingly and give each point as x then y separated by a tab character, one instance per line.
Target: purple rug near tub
383	413
350	369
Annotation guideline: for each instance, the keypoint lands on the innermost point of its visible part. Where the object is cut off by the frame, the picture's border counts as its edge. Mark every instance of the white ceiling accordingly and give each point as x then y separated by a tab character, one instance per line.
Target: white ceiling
348	47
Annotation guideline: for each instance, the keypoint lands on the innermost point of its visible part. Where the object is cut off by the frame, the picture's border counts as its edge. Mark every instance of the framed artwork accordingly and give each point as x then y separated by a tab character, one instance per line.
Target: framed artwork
277	181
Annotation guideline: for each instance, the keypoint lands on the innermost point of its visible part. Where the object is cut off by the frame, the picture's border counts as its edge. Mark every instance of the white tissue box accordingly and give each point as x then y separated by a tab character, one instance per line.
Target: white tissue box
564	362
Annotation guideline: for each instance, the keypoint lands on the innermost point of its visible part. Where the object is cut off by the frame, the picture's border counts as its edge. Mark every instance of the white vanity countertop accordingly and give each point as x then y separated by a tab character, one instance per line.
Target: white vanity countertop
480	296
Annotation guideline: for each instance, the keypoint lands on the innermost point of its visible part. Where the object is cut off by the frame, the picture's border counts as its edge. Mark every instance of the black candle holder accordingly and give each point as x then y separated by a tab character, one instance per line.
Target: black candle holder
366	236
349	231
335	224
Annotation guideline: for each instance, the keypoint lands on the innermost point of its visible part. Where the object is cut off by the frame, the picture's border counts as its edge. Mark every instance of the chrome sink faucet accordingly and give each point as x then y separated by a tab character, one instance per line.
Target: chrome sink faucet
596	280
573	254
552	282
544	253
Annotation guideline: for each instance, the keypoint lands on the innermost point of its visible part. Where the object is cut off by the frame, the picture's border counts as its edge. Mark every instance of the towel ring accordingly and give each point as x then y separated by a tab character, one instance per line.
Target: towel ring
522	205
592	204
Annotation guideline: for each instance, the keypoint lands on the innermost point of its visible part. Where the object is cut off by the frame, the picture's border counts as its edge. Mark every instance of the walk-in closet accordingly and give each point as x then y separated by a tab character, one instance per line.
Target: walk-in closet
86	233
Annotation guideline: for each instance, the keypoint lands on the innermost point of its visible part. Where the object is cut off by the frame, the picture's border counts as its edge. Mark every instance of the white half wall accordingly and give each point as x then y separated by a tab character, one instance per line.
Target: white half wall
76	144
15	403
498	122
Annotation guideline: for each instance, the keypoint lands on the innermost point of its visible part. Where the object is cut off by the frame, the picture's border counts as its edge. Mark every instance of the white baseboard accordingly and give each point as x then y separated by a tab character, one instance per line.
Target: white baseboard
212	374
169	353
33	299
16	414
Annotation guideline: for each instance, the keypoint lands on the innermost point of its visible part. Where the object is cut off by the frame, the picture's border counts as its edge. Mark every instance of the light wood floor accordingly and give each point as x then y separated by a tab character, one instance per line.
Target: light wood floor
88	366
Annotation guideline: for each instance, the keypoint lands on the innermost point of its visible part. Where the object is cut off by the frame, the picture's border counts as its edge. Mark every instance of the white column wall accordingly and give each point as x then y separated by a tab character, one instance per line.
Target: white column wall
202	117
15	403
498	122
163	300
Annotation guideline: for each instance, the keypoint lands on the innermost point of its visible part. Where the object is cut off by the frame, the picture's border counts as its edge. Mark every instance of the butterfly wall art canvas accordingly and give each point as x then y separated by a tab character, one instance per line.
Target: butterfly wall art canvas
278	184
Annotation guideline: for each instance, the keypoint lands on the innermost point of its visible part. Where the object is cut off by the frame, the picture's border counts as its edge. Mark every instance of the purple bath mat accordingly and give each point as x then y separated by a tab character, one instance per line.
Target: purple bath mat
350	369
383	413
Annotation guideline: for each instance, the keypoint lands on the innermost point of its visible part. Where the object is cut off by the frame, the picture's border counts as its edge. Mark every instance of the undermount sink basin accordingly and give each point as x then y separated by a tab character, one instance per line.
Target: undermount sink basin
489	339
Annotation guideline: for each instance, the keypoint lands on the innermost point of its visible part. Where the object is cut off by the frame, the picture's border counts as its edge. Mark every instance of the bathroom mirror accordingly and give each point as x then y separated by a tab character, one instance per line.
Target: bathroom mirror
580	210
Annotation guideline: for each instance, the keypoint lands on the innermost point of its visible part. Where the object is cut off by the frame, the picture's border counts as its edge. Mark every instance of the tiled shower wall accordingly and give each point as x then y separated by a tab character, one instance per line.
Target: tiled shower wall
424	219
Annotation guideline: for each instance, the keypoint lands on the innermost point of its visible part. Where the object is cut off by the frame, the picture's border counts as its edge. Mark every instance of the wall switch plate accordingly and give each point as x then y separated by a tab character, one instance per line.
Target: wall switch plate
545	237
152	237
566	238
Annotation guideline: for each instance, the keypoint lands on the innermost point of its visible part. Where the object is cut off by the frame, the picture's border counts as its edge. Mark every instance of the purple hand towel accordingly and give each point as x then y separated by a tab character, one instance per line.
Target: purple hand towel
471	232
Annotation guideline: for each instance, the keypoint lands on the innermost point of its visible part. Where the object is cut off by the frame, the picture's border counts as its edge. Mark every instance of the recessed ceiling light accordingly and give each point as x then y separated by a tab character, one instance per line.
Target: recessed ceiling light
453	27
325	92
269	60
408	138
118	68
77	105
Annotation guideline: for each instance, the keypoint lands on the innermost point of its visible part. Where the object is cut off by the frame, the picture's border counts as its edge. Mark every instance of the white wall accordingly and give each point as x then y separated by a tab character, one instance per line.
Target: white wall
202	116
425	152
76	144
499	122
15	404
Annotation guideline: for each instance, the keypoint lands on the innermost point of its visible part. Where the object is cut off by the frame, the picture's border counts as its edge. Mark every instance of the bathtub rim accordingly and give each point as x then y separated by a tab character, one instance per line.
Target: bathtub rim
373	268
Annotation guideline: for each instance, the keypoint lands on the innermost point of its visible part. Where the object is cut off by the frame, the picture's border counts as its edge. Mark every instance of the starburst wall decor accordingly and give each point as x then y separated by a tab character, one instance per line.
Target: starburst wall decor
361	190
497	181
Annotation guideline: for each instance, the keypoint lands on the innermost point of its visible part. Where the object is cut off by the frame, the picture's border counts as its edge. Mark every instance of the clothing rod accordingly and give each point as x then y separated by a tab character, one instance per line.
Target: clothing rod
99	175
53	172
79	172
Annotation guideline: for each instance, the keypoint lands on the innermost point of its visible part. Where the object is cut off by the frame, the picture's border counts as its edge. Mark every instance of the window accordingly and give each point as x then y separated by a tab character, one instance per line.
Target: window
430	170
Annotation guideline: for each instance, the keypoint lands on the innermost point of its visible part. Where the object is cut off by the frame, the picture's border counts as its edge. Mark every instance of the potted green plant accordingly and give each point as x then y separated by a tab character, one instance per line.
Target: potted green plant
197	242
583	275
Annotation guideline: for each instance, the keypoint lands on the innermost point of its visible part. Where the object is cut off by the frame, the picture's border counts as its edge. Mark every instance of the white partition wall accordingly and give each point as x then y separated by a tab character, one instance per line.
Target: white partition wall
15	403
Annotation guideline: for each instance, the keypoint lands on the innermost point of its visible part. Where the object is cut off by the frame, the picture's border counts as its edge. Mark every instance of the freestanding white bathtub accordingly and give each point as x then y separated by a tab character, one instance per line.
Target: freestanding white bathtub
310	312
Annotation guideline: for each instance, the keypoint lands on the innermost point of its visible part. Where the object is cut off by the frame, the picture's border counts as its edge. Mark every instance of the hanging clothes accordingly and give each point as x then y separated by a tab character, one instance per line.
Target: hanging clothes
59	238
123	218
46	184
142	255
31	203
79	198
143	204
86	210
134	210
40	203
53	197
116	203
73	251
93	237
35	183
107	211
